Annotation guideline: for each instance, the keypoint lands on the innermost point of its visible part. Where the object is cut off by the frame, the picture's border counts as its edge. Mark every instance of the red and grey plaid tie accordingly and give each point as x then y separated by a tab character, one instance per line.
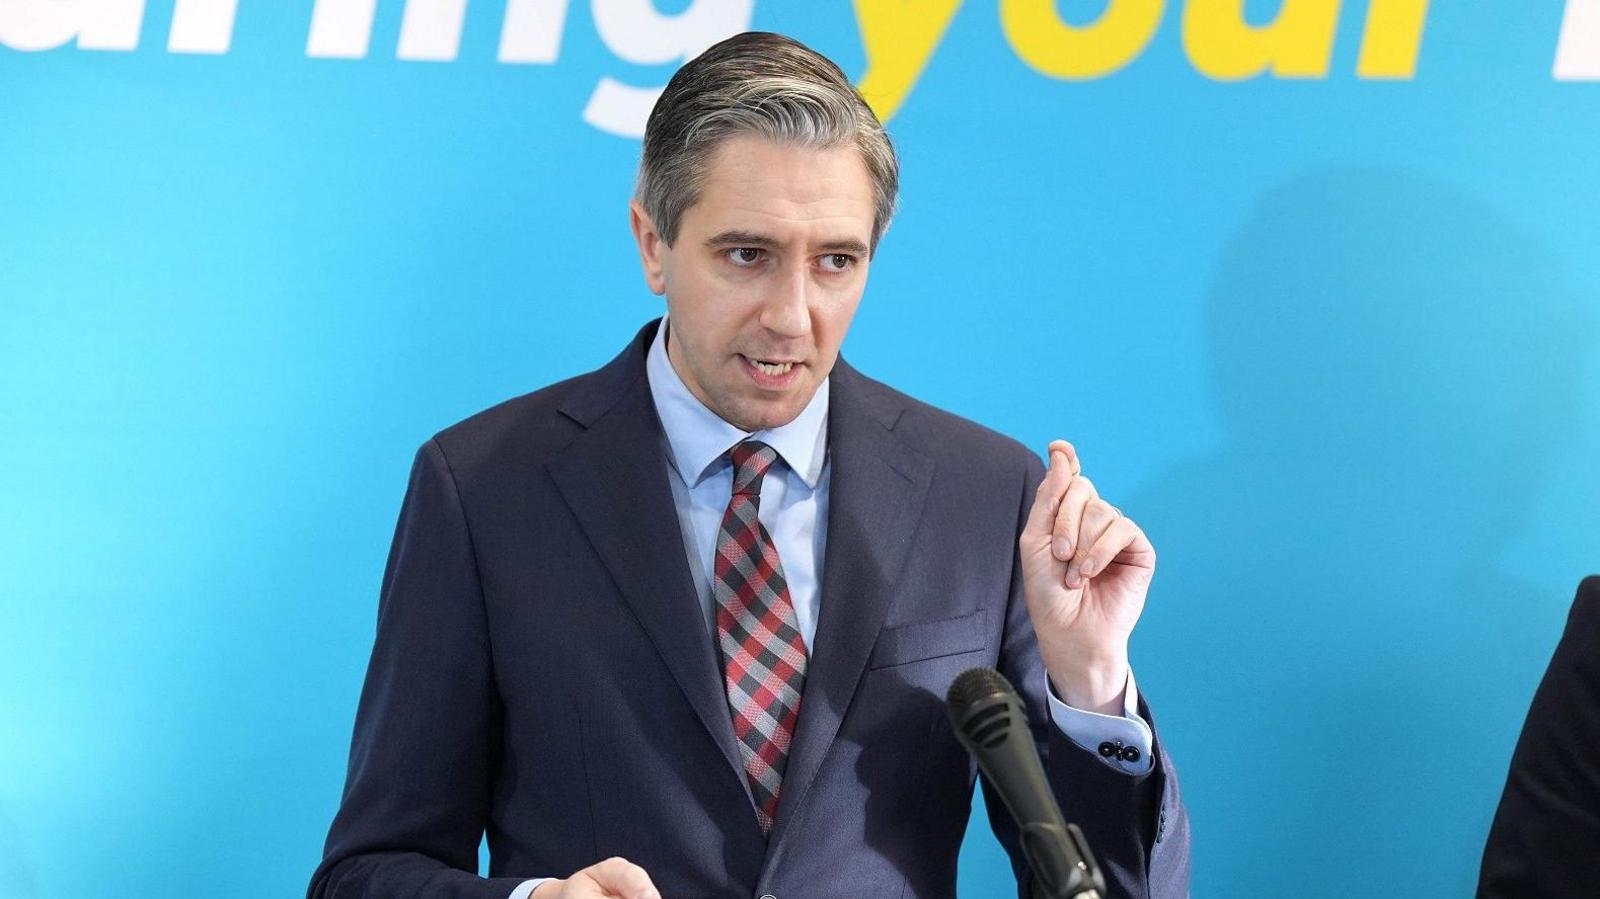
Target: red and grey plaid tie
763	656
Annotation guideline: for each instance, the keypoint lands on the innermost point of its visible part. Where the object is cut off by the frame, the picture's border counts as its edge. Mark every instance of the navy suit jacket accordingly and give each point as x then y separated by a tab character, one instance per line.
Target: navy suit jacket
542	671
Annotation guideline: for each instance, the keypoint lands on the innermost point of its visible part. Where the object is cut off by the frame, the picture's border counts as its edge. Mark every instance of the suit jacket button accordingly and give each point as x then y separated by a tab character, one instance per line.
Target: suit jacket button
768	896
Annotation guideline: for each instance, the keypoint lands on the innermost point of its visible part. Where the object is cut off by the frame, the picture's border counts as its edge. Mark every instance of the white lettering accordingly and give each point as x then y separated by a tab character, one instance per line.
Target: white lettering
431	30
532	31
33	25
341	29
620	109
1578	51
637	33
202	26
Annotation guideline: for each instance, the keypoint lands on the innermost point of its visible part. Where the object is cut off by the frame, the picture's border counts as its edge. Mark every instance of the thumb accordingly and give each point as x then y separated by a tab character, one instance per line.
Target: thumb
1064	453
622	879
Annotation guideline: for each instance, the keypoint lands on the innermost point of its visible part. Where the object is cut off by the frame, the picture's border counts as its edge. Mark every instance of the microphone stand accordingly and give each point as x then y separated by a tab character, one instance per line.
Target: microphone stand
1063	867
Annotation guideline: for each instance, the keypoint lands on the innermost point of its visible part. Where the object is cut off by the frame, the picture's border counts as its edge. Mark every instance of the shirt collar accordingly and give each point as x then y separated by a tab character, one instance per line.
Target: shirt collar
697	438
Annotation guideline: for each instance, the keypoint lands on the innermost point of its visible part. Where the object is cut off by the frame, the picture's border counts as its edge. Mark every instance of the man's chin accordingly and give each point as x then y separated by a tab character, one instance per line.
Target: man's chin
765	415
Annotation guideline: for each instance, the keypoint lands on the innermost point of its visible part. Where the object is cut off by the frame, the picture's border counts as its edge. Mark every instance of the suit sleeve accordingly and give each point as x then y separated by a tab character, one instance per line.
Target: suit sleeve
427	731
1545	839
1136	825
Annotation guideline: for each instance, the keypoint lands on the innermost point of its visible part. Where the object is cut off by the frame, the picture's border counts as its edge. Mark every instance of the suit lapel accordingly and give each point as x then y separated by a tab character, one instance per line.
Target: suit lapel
614	478
875	499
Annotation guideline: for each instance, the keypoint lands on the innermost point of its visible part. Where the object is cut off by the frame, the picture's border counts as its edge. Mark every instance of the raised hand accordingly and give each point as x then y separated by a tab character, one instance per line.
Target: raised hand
1086	570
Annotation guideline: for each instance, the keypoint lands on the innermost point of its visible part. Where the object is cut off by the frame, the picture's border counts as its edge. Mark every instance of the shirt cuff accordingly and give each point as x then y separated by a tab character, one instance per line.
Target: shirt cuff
1122	741
526	888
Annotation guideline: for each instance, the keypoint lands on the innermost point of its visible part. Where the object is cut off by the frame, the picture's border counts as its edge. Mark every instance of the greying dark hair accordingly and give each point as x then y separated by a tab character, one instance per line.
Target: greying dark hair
761	84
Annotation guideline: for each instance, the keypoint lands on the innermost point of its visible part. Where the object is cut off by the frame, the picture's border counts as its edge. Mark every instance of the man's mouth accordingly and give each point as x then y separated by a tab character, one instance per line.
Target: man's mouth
772	368
771	373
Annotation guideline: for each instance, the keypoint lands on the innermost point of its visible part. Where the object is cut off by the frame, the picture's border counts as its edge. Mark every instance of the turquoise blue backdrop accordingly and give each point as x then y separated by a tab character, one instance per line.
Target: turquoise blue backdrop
1331	340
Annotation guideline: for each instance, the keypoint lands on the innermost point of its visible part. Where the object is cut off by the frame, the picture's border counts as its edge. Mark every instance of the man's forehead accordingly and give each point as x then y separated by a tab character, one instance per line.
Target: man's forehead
758	187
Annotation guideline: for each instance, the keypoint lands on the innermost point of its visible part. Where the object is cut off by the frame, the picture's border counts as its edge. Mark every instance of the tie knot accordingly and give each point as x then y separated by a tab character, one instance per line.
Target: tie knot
751	459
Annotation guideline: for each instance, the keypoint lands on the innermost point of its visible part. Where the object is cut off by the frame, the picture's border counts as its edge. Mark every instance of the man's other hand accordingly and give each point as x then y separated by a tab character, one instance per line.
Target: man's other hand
614	878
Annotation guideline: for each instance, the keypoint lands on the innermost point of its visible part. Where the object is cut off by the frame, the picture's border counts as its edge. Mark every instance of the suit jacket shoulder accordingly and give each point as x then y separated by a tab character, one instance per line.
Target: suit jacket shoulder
949	440
521	433
1546	831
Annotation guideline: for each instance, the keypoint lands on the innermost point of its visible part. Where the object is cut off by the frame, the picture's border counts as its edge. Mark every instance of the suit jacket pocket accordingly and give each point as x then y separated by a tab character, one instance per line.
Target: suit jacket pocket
919	640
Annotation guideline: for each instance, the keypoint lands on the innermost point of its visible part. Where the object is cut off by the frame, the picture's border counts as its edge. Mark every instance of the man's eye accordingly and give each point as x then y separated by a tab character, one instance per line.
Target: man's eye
838	262
744	256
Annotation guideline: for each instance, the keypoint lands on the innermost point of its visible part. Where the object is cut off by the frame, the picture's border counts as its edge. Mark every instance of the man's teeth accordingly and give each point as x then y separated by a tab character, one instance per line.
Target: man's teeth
772	368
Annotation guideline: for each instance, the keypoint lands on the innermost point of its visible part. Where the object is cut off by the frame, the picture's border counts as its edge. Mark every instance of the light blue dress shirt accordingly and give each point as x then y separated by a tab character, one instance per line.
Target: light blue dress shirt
794	510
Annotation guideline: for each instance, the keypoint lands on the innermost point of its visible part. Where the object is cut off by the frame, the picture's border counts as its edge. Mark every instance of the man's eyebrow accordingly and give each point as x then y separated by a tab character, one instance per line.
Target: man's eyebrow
754	239
742	239
844	245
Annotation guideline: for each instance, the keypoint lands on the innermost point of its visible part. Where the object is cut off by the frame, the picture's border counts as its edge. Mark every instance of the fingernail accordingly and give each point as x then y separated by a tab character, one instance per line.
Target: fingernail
1062	547
1072	576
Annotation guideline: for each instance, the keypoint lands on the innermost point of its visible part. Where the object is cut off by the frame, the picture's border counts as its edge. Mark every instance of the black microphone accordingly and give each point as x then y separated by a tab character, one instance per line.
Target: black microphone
991	721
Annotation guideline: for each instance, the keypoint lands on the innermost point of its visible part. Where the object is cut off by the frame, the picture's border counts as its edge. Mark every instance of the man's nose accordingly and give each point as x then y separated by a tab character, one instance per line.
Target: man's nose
787	309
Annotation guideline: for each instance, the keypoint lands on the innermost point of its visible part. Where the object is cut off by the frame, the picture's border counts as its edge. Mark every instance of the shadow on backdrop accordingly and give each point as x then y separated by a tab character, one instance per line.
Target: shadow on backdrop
1394	361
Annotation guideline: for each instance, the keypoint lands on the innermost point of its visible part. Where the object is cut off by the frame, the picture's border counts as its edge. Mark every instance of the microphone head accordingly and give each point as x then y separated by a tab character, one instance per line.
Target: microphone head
974	684
984	708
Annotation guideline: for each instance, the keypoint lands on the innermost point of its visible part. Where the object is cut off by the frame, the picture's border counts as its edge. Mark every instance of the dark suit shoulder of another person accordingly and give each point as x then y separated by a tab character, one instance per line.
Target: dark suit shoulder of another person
1545	840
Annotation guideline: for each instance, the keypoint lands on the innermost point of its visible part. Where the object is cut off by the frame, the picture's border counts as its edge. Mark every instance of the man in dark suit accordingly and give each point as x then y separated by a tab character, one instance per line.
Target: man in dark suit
683	626
1545	840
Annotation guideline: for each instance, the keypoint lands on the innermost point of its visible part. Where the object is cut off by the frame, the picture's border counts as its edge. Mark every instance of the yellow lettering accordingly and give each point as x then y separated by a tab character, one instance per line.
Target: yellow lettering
1053	47
1298	43
899	37
1393	37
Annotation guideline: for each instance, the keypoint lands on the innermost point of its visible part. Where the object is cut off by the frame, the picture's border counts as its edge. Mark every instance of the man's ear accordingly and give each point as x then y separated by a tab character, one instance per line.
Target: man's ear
651	247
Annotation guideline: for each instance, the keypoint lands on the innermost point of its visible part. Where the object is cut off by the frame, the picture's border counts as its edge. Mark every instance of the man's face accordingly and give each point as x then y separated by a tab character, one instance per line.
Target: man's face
764	276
